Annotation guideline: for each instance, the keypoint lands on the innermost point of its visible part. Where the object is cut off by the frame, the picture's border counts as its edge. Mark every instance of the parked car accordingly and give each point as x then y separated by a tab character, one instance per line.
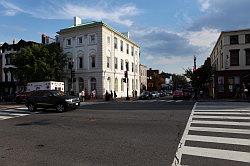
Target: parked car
21	97
146	95
178	94
155	94
51	99
162	93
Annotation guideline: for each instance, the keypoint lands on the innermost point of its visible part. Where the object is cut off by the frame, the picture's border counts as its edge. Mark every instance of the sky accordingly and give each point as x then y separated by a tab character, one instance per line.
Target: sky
170	32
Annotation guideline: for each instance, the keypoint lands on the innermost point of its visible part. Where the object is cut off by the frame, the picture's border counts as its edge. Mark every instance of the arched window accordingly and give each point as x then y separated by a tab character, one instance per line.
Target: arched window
93	84
80	62
92	58
70	60
92	61
122	85
81	84
116	84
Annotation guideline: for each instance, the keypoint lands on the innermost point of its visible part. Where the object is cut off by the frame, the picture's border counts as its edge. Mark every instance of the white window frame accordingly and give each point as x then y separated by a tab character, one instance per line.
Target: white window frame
90	39
78	40
68	45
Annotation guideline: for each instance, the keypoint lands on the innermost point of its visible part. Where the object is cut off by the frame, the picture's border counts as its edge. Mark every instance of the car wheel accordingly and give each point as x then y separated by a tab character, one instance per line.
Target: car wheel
60	108
32	107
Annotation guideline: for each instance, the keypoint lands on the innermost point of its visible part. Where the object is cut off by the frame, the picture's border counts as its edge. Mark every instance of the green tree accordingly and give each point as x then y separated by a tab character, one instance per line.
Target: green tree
39	63
179	81
201	76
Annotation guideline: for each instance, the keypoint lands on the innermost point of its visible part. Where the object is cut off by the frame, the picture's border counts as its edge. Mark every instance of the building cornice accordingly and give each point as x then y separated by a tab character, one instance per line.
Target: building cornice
95	24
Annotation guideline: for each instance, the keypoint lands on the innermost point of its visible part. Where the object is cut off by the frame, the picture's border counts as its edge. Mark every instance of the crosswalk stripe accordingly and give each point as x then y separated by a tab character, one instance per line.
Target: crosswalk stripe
224	110
222	123
220	130
6	117
222	140
222	113
217	153
221	117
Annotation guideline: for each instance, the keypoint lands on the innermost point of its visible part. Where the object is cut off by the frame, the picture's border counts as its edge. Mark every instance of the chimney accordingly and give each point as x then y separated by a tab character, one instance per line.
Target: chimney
14	41
77	21
126	34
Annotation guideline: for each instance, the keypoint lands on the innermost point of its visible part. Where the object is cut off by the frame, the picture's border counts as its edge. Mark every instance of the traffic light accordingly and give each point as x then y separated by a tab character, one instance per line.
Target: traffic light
126	74
124	80
73	73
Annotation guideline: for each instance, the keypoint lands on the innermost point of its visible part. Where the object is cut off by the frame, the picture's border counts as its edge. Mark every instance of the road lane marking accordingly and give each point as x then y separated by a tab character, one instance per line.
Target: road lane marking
222	140
221	117
217	153
222	123
177	101
220	130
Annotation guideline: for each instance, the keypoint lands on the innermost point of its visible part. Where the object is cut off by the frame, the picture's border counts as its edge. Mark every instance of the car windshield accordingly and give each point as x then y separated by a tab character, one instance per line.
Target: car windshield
57	93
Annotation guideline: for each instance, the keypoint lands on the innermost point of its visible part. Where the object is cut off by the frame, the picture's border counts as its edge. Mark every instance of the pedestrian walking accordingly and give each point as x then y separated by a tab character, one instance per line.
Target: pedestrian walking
111	94
94	94
83	95
107	96
244	90
115	95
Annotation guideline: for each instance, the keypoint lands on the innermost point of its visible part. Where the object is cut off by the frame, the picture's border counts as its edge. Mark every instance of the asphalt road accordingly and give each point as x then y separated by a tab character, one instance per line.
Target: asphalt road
118	133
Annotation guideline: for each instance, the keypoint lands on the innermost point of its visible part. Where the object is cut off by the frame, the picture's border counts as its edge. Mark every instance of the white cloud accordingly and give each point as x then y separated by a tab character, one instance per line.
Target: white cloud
205	4
10	9
206	37
64	10
172	60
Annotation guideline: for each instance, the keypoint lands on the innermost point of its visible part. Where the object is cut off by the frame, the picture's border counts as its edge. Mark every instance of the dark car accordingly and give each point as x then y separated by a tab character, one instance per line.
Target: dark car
21	97
145	95
51	99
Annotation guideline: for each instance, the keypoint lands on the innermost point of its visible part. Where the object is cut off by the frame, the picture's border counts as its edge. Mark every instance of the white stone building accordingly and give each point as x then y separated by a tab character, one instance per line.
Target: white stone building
100	55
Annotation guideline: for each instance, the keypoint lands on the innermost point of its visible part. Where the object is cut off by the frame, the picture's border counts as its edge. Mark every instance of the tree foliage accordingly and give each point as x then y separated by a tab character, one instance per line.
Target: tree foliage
39	63
179	81
157	81
201	76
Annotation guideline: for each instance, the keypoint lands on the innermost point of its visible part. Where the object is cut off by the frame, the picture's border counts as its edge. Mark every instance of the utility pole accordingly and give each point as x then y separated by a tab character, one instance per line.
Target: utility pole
194	62
126	79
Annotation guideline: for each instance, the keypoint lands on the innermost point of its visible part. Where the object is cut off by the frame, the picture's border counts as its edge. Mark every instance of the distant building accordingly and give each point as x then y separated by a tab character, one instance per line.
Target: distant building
231	59
154	80
47	40
100	55
143	77
8	83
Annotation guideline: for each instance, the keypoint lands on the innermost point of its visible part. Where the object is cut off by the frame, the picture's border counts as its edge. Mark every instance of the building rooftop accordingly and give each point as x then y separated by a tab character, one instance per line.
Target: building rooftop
94	24
237	30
